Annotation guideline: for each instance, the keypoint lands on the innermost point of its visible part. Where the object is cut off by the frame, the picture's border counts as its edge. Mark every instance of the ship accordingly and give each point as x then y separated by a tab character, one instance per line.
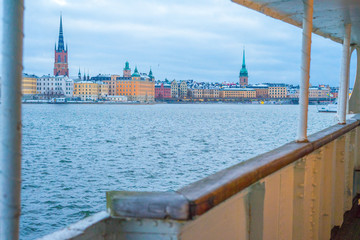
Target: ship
301	190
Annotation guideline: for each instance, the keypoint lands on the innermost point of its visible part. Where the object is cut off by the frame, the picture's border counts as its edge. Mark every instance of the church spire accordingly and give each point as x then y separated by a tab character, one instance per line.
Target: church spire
61	36
243	71
243	64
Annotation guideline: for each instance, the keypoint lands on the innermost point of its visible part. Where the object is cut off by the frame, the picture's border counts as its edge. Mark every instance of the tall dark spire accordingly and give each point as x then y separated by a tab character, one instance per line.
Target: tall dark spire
61	37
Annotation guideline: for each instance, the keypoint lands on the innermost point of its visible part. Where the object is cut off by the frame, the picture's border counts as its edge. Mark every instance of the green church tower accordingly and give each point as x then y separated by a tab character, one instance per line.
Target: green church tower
243	76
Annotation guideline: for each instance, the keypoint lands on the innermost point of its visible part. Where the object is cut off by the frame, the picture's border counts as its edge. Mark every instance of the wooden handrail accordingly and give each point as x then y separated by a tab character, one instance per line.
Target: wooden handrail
197	198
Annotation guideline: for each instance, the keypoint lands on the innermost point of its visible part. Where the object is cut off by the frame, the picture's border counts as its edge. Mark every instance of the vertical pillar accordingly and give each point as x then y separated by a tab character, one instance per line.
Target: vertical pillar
344	78
305	69
10	163
354	101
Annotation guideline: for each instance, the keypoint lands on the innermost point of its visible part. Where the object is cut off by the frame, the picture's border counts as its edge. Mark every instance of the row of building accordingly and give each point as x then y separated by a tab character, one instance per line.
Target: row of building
190	89
141	87
137	86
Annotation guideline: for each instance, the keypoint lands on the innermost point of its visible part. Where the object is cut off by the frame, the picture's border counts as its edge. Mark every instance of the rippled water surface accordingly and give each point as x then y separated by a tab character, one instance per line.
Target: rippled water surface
73	154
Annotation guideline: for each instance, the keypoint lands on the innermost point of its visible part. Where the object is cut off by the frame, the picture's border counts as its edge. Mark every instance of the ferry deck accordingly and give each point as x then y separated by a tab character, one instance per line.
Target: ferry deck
304	189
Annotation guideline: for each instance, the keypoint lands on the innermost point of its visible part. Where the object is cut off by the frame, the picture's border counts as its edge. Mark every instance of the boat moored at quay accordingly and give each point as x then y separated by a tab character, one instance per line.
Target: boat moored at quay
300	190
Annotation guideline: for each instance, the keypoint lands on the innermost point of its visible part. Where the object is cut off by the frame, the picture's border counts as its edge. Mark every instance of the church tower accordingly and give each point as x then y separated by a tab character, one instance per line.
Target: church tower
127	70
61	55
243	76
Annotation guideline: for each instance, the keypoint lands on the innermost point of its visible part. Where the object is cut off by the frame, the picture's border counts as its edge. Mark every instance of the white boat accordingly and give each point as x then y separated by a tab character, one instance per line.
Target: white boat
332	107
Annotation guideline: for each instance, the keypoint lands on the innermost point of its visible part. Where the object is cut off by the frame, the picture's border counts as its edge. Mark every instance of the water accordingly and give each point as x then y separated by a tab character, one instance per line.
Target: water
73	154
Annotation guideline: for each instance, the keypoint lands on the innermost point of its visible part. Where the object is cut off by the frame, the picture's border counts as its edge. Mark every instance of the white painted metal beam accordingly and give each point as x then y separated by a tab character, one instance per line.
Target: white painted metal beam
344	77
305	70
10	168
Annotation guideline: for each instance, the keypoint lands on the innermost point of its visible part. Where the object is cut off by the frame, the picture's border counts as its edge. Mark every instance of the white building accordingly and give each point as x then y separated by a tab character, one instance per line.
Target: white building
55	86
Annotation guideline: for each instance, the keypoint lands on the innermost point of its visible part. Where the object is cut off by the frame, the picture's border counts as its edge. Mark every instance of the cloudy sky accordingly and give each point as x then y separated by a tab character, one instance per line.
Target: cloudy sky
201	40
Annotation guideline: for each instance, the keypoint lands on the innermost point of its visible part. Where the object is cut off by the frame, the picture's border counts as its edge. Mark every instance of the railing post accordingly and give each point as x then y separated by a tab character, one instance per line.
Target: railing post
10	169
305	69
256	198
344	78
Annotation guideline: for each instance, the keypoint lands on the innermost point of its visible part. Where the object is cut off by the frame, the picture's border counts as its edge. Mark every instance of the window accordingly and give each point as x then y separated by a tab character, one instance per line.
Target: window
59	58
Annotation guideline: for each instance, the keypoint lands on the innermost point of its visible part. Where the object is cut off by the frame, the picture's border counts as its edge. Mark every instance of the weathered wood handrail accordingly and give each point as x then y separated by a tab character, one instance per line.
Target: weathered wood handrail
199	197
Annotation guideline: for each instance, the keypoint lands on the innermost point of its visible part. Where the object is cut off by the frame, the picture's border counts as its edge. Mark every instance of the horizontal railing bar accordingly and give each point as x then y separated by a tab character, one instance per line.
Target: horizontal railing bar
206	193
214	189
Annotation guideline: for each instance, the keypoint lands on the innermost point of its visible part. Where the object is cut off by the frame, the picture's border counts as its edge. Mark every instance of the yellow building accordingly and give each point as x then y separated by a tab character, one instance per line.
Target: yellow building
205	93
183	89
28	86
103	90
174	89
87	90
237	93
277	91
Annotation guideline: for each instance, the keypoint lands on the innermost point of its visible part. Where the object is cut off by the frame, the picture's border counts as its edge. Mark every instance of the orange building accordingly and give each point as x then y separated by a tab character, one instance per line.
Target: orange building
138	87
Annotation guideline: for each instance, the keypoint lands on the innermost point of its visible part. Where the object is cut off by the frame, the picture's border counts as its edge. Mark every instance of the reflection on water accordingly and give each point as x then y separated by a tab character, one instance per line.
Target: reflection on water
73	154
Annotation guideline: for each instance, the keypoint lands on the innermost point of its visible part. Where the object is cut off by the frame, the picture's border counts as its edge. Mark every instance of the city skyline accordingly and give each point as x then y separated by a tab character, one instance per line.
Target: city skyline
179	41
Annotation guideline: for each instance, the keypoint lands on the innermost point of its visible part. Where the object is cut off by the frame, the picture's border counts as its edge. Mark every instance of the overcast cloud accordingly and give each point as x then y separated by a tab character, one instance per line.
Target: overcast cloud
200	40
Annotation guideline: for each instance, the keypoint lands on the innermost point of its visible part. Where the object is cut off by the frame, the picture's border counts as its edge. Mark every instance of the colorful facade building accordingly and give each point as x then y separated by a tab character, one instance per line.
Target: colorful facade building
314	92
202	93
262	91
237	93
90	91
211	93
277	91
61	55
136	87
319	92
86	91
28	86
183	89
162	91
174	89
197	93
243	76
103	90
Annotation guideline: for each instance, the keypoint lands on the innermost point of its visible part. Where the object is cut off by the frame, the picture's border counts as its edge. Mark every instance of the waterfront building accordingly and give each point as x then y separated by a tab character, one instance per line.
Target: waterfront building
205	93
61	55
262	90
103	90
28	86
237	93
162	91
183	89
211	93
87	90
277	91
55	86
137	87
319	92
243	76
174	89
314	92
111	98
